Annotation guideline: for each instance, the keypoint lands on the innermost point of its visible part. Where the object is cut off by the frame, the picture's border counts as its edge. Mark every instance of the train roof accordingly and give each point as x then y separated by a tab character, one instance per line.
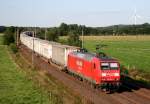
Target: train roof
84	55
66	46
41	40
89	56
48	42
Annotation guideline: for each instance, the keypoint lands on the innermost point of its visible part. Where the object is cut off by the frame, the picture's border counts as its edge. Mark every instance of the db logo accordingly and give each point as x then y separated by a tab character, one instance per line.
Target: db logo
79	63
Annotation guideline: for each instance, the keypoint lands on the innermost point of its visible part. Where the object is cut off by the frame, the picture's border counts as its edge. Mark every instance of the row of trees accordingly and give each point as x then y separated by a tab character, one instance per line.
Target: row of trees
64	29
73	31
142	29
52	34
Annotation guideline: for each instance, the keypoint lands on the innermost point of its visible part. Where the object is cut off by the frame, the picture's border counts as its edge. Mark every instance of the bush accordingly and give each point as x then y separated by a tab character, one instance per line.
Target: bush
13	48
74	39
9	36
52	35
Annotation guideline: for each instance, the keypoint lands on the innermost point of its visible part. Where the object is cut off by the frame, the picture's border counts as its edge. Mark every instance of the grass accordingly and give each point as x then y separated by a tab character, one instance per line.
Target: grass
1	34
1	39
15	87
116	38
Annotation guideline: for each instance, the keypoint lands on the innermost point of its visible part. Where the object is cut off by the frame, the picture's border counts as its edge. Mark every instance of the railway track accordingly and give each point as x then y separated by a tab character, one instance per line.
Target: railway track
138	96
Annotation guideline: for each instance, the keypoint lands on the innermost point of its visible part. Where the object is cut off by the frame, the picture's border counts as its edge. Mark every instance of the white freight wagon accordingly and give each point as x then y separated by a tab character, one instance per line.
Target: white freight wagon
42	47
45	48
36	45
60	54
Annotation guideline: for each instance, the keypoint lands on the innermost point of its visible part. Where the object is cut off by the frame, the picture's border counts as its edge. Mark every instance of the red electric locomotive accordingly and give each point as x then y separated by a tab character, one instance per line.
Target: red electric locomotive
100	70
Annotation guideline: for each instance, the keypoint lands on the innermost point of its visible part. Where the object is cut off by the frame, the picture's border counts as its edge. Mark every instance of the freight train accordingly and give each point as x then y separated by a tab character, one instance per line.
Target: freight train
100	70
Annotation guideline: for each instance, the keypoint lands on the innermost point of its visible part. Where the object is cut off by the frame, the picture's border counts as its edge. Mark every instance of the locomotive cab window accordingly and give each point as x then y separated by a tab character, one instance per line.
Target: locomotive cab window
105	66
109	66
113	66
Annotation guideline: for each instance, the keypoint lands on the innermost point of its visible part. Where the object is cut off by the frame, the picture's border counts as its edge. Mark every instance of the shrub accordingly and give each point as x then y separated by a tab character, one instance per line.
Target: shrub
74	39
13	48
52	35
9	36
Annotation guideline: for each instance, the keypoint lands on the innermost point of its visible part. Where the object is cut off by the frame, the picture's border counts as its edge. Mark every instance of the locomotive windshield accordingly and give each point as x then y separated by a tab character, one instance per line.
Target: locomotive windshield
104	66
109	66
113	65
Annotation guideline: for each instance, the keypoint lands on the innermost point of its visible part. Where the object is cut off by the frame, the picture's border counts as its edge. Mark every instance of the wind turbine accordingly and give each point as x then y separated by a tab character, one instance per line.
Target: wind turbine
136	16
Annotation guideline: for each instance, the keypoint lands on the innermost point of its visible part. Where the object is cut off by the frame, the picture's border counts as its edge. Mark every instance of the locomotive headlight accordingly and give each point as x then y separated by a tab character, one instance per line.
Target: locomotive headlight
103	74
116	74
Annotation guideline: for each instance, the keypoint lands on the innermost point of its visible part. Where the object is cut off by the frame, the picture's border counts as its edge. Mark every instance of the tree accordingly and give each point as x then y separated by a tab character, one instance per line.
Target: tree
9	35
74	39
40	33
63	29
2	29
52	34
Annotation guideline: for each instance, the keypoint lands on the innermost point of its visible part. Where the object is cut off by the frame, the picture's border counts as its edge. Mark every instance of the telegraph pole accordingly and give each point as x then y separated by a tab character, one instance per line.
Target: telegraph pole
17	37
33	34
45	33
82	38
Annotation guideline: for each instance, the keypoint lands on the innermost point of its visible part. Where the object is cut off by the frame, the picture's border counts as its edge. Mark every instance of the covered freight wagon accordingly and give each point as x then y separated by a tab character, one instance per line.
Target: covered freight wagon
42	47
60	54
26	40
45	48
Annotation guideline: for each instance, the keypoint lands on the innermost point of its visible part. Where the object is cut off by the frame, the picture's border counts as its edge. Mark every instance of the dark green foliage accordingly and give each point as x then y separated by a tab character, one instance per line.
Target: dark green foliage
52	34
2	29
124	70
74	39
40	32
13	48
9	36
63	29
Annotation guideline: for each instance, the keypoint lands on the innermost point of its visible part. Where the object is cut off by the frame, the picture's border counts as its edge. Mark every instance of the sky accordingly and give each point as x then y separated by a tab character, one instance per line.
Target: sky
94	13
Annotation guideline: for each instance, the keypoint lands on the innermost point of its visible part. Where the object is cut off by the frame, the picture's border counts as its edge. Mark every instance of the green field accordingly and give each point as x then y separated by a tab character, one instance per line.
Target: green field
133	52
15	87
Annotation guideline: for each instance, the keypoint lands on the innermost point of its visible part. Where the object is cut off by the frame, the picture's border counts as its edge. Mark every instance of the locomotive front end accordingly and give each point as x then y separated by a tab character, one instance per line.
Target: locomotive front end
110	75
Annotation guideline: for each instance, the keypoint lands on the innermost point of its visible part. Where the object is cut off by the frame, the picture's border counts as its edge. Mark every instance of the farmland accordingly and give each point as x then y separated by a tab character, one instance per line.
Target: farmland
15	87
132	51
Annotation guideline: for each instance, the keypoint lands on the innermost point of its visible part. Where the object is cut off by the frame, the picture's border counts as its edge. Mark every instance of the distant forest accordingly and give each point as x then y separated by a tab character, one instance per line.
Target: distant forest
64	29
